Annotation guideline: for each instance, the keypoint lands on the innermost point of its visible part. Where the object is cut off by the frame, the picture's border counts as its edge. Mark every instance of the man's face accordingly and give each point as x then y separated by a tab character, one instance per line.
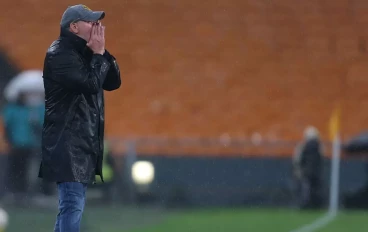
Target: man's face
82	29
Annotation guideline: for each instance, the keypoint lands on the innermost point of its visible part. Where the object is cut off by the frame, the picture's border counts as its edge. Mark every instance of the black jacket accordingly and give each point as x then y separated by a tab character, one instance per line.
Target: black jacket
311	159
73	130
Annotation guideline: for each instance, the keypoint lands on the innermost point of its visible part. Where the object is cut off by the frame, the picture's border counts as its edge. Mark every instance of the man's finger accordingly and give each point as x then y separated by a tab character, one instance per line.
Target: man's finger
93	31
100	30
96	30
103	32
91	37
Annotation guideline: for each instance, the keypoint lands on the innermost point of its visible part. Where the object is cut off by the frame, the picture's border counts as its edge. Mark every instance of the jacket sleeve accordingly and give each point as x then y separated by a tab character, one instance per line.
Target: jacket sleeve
69	70
113	80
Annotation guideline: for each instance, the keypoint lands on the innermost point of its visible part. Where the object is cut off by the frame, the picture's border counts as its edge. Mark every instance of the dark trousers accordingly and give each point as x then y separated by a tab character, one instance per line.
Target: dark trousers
309	193
18	168
72	196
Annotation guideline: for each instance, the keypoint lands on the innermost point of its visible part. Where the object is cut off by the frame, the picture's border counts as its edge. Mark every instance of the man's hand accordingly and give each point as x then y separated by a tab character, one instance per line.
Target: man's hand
97	40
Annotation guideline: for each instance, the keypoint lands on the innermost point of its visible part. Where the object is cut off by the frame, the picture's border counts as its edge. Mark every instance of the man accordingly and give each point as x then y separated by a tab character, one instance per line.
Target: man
77	69
23	119
307	164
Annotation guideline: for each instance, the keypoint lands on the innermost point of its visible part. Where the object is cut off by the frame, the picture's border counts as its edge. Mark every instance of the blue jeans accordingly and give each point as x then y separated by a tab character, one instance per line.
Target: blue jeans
72	197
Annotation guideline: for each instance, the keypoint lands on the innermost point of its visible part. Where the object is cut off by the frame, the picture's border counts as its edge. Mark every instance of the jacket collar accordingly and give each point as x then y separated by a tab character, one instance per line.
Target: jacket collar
77	42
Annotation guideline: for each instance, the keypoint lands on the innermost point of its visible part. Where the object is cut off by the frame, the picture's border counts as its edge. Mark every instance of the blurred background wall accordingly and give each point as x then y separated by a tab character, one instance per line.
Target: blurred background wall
208	68
248	72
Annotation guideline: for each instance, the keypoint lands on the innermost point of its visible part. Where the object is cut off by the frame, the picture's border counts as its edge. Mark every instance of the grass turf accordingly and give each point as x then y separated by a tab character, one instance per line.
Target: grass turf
108	219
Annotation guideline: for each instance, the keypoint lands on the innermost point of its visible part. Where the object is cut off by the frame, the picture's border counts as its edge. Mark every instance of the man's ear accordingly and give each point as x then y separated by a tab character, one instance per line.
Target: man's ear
73	27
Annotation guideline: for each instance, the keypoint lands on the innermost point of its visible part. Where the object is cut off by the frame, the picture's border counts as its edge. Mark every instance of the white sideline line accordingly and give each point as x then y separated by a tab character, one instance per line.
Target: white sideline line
317	224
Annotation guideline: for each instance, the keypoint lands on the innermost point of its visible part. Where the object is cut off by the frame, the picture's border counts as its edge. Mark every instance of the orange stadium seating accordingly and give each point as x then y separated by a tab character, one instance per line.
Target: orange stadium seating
206	68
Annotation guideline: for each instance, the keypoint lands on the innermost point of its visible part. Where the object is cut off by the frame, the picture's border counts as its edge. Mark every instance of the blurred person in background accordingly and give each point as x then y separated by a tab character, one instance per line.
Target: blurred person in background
77	69
110	174
23	120
307	169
